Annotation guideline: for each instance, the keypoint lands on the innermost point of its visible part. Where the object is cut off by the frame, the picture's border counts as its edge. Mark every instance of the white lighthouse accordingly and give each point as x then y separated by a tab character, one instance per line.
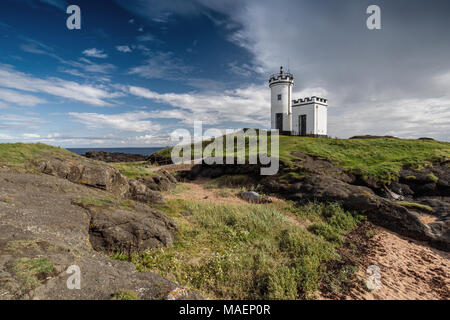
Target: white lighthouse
281	92
307	116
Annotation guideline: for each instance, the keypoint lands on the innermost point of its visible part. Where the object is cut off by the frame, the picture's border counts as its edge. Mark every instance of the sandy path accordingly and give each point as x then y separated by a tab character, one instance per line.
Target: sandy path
196	191
410	270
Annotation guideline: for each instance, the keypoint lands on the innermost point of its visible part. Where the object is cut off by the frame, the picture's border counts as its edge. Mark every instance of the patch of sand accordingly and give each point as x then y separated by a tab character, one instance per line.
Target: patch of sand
196	191
410	270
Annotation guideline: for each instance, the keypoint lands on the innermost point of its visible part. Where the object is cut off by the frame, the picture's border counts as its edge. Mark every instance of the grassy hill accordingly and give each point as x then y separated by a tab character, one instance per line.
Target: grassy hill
381	159
21	156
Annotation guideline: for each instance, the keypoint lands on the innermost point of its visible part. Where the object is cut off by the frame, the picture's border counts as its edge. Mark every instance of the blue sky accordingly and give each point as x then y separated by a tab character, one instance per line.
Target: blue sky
139	69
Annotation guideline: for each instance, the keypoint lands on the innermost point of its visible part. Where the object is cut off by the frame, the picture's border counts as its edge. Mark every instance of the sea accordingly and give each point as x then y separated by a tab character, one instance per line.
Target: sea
142	151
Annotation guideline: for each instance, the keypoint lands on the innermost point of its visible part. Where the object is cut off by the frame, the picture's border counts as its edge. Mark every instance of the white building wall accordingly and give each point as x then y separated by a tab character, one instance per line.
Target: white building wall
322	121
283	106
307	110
316	118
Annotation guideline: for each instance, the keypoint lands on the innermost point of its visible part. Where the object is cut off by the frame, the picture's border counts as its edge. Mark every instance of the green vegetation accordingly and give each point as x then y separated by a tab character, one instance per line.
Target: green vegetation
21	156
432	178
380	159
133	170
415	205
124	295
179	188
31	271
249	251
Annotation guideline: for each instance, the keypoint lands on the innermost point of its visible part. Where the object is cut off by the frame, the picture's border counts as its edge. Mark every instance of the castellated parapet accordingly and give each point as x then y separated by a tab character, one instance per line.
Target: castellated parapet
309	100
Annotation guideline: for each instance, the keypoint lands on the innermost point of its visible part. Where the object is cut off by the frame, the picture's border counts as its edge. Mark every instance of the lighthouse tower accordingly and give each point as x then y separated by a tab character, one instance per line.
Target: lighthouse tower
281	91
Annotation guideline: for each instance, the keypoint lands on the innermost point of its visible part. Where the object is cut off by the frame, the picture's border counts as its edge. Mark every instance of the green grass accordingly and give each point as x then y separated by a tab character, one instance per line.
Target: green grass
415	205
124	295
380	159
248	251
432	178
20	156
133	170
29	270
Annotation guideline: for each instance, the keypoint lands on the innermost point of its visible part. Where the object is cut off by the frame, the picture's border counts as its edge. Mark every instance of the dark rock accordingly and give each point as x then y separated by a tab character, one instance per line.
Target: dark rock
159	160
426	139
114	157
126	231
401	189
140	192
162	180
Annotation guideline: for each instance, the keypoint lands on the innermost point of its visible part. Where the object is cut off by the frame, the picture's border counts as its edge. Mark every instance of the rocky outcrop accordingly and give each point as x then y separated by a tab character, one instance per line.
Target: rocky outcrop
162	180
381	211
43	233
430	181
126	231
114	156
100	176
218	170
159	160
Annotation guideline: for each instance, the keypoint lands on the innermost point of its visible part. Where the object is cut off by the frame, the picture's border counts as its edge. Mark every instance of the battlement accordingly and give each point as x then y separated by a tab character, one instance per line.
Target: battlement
281	77
309	100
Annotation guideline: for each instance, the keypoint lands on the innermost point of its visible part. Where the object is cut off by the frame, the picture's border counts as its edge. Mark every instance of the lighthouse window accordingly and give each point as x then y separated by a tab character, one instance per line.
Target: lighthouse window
279	97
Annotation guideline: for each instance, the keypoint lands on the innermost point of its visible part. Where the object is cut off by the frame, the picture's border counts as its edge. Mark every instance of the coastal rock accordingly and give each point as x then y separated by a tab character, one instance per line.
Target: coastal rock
114	156
43	225
162	180
379	210
100	176
124	231
96	175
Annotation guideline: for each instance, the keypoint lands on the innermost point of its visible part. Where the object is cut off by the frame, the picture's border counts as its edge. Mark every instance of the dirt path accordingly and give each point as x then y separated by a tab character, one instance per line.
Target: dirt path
197	191
409	270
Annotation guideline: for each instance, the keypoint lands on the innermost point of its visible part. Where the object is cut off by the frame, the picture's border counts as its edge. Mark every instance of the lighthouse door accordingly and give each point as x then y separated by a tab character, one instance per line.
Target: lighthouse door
302	125
279	121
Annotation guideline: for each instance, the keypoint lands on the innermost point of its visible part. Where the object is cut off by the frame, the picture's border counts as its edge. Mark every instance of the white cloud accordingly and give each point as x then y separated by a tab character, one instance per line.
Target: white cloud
130	121
4	136
89	94
95	53
161	65
124	49
19	98
250	105
31	136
